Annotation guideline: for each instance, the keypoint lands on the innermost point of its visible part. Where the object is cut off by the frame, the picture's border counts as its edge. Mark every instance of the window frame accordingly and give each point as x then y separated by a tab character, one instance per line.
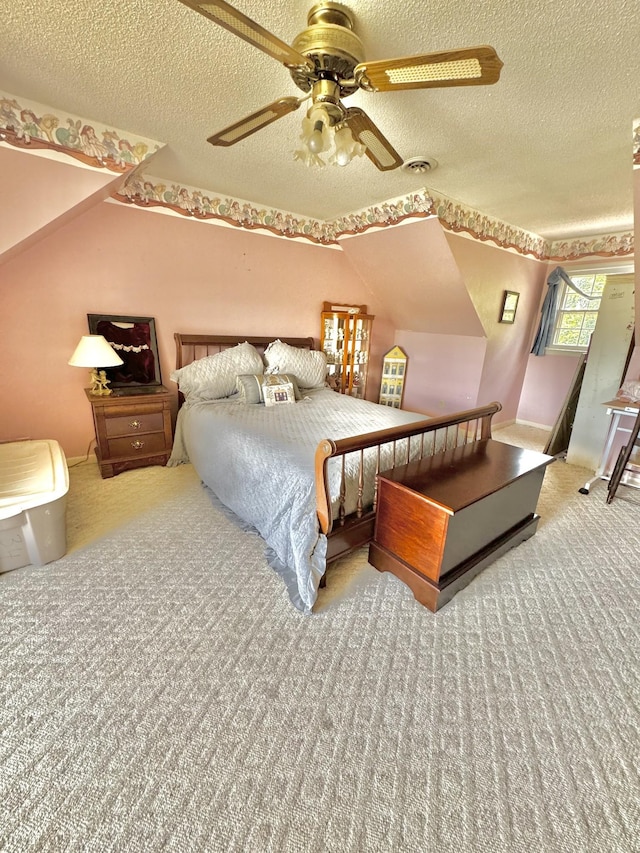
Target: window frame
607	269
573	349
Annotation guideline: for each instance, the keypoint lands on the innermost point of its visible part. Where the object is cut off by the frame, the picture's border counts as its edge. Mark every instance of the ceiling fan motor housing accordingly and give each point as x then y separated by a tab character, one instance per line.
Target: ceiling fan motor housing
331	44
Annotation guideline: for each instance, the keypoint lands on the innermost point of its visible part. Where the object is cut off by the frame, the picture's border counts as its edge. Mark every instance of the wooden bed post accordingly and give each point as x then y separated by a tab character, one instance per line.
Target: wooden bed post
325	449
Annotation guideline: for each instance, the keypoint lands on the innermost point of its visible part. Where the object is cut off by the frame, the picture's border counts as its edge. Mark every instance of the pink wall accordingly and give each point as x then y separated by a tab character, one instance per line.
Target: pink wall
118	260
443	294
548	378
443	373
546	384
38	195
411	269
487	273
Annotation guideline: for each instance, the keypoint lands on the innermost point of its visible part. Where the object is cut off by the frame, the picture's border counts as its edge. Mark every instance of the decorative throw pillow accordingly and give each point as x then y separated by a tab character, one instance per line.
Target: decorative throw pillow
277	391
308	366
251	387
214	376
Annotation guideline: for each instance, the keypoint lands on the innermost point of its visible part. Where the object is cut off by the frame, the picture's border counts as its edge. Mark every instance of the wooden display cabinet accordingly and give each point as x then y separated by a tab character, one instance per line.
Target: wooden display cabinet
345	338
394	372
132	430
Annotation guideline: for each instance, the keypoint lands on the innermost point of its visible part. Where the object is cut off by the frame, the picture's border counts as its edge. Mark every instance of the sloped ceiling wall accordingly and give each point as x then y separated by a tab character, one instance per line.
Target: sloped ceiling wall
39	195
423	270
43	194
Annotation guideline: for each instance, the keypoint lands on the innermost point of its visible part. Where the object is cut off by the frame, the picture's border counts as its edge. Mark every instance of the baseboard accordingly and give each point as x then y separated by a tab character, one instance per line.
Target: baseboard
78	460
503	424
518	422
545	427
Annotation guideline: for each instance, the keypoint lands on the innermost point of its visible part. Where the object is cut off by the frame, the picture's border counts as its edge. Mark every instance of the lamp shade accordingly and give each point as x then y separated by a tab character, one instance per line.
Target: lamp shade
94	351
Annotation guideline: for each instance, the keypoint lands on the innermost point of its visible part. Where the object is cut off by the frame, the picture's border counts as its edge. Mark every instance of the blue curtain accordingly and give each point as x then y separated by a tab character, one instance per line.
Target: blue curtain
548	313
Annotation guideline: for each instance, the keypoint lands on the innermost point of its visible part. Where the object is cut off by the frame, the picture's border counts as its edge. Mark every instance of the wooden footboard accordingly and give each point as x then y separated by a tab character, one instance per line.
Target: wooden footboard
391	447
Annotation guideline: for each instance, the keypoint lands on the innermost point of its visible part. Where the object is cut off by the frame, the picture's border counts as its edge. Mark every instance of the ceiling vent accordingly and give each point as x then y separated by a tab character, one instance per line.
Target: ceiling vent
420	165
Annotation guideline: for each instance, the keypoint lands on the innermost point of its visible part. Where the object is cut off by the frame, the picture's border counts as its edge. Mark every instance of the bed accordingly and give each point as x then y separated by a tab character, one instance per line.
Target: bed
303	474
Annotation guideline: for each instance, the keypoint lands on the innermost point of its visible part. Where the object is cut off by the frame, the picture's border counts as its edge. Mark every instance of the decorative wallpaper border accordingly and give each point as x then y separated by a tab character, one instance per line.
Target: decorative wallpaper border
454	216
394	211
147	192
601	246
457	217
29	126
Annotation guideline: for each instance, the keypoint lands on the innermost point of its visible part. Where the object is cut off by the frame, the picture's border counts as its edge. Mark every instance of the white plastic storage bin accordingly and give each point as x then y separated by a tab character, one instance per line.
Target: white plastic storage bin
34	481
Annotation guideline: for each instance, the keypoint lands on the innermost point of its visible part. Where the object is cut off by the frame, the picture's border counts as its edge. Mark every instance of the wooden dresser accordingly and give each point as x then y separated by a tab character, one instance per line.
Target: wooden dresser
132	430
441	520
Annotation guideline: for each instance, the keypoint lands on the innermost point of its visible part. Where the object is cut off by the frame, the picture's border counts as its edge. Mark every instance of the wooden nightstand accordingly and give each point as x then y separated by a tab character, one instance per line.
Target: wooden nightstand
132	430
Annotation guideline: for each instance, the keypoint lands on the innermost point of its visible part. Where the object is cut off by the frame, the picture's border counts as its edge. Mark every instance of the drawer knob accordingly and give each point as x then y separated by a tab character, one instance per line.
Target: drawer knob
135	424
137	444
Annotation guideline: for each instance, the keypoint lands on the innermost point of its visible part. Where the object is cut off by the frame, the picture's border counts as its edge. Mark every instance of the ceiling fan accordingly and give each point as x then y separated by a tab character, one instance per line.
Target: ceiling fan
326	62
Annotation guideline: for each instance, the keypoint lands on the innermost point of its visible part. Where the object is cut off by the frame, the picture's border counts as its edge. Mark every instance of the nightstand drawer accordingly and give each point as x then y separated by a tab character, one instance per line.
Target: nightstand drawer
133	445
134	423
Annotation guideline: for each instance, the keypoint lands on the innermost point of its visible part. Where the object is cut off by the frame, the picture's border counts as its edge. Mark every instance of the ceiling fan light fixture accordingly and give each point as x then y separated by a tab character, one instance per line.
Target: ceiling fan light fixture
316	142
320	135
315	138
346	147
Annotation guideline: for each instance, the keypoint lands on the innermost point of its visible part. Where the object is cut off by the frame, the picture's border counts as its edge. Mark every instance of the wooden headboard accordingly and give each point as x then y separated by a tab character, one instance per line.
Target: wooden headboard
191	347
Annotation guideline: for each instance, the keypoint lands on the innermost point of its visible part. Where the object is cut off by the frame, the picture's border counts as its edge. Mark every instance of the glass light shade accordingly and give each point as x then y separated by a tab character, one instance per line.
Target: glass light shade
344	145
321	136
316	142
319	139
94	351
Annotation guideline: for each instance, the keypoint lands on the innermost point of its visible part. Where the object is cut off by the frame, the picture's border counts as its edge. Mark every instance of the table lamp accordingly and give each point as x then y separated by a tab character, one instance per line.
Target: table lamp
94	351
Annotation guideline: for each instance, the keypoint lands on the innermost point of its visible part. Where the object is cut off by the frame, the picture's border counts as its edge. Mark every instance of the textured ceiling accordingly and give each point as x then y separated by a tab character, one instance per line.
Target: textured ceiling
548	148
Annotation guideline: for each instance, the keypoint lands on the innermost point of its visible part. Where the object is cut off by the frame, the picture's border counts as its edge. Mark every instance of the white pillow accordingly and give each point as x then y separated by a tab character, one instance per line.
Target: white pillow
214	376
308	366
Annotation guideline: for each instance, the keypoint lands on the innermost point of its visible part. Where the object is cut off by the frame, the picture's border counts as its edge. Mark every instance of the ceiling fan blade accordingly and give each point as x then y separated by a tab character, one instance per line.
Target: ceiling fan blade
256	121
471	66
377	148
231	19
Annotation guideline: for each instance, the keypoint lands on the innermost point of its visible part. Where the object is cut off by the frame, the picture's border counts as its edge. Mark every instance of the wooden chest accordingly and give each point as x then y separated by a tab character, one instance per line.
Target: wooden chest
441	520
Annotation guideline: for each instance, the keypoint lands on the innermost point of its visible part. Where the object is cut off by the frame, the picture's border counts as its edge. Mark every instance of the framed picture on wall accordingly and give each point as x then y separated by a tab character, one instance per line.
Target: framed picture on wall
134	339
509	306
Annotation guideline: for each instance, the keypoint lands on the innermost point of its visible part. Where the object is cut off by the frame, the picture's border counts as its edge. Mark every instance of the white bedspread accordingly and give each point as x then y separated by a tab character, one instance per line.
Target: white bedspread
259	462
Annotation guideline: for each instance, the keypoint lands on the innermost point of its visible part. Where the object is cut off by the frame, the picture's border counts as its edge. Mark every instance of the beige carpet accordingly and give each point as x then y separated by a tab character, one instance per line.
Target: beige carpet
159	692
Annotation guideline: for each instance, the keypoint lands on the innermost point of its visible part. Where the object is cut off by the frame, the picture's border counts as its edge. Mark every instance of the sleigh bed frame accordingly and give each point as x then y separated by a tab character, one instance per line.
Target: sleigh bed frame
348	531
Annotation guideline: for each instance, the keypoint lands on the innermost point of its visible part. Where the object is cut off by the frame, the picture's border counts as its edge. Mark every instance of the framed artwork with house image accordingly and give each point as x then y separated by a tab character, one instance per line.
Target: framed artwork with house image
134	339
509	306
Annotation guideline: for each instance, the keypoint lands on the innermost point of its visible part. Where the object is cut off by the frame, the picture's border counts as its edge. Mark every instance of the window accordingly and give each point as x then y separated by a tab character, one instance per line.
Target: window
576	315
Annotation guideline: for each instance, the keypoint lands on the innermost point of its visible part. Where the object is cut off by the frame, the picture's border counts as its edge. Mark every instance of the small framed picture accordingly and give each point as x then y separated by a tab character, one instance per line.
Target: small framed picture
509	306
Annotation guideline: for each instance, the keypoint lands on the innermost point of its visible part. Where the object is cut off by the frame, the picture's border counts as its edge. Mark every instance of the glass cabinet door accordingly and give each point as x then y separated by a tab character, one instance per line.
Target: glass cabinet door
333	331
346	337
